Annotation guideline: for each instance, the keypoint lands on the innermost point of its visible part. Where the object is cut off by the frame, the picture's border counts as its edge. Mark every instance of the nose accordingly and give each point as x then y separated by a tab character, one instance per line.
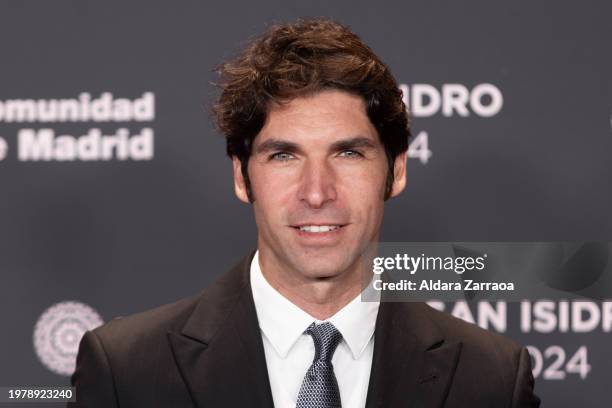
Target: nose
317	184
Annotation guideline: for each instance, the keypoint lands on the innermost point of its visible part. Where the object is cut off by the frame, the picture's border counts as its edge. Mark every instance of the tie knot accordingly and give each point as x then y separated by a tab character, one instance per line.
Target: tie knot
326	338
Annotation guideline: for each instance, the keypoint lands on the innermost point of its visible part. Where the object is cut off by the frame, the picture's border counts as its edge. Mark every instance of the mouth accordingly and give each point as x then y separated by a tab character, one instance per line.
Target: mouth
323	234
317	229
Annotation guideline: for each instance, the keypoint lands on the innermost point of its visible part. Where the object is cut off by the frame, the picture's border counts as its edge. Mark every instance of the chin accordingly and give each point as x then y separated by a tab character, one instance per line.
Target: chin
320	275
322	268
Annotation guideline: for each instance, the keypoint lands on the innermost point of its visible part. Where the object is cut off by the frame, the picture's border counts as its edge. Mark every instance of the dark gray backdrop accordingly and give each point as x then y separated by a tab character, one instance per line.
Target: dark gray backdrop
124	236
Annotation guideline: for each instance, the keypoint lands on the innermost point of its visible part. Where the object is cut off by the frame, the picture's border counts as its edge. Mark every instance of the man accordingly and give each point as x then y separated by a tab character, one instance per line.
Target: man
318	134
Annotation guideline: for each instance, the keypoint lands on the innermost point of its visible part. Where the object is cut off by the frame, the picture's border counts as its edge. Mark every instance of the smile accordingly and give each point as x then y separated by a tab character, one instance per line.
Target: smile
318	228
320	234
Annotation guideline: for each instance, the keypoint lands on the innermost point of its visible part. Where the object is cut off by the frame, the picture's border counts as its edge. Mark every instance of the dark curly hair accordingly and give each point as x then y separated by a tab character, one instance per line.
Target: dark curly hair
300	59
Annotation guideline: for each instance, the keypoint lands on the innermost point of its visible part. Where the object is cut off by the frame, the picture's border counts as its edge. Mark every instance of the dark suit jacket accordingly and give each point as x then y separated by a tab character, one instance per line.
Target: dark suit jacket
207	351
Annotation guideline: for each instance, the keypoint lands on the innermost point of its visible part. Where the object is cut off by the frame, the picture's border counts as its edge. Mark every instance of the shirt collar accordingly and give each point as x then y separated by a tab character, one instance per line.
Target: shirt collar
282	322
356	321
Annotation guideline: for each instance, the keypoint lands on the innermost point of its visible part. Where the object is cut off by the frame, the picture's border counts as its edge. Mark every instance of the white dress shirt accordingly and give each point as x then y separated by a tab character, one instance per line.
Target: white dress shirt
289	352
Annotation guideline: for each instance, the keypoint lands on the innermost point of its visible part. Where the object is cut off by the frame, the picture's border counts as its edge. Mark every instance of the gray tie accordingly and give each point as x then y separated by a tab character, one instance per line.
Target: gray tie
320	388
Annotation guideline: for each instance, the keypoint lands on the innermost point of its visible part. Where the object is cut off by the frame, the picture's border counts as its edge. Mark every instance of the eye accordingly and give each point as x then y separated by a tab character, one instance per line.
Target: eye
351	154
281	156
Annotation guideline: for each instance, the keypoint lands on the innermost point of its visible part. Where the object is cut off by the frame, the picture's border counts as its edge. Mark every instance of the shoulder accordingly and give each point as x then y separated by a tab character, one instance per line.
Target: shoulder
482	351
146	331
434	329
125	354
500	364
126	334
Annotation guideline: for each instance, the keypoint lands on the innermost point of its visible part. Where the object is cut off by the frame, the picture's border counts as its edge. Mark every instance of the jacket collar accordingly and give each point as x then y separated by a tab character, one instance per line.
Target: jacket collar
413	364
219	352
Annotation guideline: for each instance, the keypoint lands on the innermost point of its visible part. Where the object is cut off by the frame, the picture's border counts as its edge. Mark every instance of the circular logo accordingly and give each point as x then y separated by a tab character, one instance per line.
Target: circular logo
58	332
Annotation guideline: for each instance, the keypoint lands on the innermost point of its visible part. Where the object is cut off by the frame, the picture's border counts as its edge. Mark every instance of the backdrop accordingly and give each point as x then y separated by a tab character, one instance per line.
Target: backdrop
116	196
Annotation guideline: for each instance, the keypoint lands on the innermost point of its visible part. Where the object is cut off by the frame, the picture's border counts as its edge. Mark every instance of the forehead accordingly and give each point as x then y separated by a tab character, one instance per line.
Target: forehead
323	117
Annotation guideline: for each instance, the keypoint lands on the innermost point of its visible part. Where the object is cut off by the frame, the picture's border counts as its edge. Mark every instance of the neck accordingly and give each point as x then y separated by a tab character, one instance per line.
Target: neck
319	297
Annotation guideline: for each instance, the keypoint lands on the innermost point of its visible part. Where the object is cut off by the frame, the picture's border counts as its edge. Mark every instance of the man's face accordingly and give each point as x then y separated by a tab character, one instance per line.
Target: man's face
317	172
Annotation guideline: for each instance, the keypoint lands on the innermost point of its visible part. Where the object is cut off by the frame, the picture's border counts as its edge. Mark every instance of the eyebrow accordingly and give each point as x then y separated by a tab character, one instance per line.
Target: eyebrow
271	145
353	143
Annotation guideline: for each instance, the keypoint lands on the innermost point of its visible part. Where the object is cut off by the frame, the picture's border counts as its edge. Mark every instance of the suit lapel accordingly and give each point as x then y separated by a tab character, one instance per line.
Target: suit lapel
219	352
412	366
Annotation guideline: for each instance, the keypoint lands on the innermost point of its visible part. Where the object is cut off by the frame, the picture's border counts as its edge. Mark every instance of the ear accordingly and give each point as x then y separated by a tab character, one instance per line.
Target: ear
399	174
239	185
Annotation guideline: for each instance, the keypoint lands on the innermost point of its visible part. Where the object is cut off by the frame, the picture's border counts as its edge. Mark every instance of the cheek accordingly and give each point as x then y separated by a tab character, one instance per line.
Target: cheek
363	192
365	184
273	191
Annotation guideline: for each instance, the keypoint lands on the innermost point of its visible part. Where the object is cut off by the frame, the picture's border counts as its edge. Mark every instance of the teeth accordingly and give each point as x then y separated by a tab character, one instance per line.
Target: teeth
318	228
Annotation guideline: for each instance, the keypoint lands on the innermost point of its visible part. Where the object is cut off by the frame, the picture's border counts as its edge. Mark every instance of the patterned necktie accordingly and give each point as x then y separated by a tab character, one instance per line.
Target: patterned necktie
320	388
